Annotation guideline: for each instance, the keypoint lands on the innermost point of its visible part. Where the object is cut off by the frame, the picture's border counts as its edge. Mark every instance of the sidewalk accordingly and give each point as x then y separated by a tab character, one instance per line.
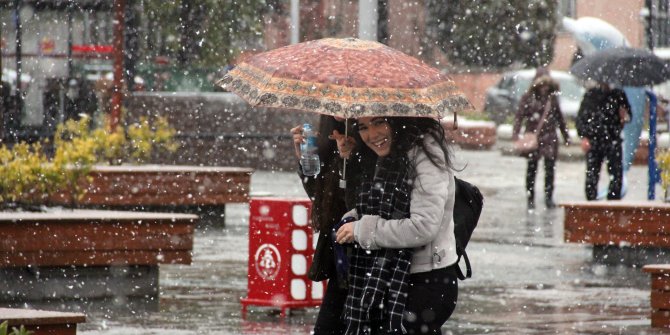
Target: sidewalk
565	153
526	280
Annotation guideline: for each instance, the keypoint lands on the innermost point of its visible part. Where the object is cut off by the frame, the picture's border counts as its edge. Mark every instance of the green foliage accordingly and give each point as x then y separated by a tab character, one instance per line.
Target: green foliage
212	32
27	175
15	331
494	33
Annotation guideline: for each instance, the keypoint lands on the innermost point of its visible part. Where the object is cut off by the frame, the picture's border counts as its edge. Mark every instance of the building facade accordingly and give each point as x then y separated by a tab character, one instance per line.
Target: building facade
405	29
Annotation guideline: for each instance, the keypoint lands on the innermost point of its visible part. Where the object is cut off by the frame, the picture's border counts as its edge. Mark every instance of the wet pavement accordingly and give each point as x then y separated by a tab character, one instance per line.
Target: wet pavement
525	281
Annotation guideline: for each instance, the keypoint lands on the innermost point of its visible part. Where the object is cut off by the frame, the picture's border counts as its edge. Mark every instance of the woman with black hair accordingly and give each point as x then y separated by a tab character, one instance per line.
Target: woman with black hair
329	203
404	256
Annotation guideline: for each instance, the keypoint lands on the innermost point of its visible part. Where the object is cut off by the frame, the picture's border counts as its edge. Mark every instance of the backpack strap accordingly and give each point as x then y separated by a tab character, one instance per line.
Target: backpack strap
468	268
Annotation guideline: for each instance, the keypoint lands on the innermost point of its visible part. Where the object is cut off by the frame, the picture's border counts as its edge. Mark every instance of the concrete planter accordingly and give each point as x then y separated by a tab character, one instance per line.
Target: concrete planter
471	135
161	185
194	189
89	254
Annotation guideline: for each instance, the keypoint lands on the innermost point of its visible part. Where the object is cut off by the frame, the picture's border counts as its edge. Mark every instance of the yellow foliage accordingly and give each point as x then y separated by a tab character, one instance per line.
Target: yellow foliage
663	161
28	175
144	138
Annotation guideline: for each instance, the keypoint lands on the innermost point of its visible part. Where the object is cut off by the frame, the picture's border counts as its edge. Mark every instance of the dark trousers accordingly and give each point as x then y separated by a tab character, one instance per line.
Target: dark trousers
329	321
594	161
431	300
531	172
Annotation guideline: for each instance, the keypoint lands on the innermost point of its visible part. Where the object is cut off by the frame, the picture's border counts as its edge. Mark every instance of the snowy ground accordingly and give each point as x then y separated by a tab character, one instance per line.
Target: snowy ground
526	280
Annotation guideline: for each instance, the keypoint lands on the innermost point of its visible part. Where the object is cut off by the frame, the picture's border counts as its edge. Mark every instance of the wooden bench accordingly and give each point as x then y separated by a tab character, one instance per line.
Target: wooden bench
472	135
660	294
163	187
42	322
114	253
620	226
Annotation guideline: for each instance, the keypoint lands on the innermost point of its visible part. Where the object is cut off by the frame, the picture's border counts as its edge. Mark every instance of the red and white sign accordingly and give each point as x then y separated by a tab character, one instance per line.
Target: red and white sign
268	261
281	246
47	46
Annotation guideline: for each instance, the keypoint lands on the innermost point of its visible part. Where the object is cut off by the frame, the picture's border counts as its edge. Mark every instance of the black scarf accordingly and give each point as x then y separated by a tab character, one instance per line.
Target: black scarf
378	279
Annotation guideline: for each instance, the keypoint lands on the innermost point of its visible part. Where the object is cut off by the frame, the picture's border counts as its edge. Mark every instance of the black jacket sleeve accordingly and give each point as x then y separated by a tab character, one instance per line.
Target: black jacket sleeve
585	115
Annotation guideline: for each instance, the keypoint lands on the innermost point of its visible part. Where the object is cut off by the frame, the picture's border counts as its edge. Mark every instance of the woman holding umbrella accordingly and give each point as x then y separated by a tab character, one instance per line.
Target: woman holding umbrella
405	253
353	78
329	203
540	112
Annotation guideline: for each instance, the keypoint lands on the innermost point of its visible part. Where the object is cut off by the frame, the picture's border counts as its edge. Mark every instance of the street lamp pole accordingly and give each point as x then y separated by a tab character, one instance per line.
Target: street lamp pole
14	120
367	20
117	94
295	21
70	8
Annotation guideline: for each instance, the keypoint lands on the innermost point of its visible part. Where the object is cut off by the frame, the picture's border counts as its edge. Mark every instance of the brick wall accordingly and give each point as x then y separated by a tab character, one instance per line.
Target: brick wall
474	85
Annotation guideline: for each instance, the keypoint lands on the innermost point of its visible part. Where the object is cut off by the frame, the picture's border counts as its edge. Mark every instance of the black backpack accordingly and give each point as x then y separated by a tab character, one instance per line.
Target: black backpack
467	208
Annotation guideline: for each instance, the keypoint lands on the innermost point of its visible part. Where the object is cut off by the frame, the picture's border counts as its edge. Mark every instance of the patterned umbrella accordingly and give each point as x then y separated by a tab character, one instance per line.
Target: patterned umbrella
348	78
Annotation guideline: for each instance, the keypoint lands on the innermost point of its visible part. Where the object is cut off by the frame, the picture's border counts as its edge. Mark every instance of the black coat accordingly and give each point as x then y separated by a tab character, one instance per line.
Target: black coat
329	204
598	117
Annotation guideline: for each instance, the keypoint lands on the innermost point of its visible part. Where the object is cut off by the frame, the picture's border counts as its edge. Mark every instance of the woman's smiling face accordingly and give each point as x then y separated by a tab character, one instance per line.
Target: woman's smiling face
376	134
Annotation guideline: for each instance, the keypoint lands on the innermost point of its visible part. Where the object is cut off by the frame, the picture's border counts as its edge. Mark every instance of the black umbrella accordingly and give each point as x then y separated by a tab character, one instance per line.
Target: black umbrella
622	66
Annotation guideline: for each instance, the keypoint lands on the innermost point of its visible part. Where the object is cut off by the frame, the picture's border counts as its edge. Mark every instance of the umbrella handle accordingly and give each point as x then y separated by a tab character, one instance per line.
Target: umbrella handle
343	180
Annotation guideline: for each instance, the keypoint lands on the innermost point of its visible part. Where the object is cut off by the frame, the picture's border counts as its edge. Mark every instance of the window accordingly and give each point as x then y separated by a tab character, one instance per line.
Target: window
567	8
660	22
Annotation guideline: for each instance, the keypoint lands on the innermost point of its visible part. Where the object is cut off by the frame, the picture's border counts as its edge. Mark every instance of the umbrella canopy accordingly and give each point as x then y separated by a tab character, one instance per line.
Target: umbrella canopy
346	78
622	66
593	34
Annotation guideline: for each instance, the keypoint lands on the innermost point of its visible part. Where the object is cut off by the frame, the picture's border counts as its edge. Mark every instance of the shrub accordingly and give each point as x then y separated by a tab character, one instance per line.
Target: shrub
27	175
15	331
663	161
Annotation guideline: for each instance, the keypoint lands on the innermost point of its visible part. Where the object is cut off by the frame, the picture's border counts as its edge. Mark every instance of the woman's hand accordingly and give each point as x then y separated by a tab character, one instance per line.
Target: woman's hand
586	145
345	234
298	139
345	144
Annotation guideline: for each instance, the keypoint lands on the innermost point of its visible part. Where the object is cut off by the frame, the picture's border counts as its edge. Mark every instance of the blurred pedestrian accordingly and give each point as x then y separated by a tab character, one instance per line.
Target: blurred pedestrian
402	276
540	112
602	114
329	203
5	106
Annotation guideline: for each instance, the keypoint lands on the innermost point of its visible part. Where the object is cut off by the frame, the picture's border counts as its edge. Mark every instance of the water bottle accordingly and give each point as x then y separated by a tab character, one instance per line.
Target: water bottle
309	156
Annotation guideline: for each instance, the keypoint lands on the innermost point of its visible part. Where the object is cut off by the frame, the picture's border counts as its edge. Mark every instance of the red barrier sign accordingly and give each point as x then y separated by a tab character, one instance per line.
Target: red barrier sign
281	245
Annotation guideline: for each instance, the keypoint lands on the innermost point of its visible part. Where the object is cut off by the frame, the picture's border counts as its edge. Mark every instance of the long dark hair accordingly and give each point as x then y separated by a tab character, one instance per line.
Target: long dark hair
407	133
330	201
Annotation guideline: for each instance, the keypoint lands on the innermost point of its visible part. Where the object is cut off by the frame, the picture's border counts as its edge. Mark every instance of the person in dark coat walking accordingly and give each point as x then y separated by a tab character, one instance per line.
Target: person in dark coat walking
600	119
541	94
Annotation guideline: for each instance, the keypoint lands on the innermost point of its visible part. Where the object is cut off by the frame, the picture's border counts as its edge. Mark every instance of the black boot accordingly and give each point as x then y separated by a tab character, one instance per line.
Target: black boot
549	169
550	203
531	171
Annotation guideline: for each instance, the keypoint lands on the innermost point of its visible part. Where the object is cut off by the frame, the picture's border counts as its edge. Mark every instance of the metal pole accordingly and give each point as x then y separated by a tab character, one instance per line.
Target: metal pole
367	19
117	94
295	21
15	121
651	158
3	103
70	7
